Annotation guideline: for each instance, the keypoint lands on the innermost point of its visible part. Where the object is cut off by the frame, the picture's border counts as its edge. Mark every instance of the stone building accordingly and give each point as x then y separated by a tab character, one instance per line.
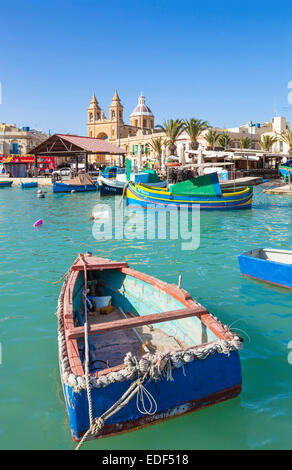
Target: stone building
17	141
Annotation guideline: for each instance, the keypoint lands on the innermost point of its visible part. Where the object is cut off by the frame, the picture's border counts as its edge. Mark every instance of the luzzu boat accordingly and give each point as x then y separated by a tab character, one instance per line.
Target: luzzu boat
134	350
204	191
268	265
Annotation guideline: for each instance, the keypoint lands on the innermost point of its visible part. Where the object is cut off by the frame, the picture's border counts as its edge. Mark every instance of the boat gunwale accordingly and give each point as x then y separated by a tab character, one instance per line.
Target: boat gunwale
247	255
181	295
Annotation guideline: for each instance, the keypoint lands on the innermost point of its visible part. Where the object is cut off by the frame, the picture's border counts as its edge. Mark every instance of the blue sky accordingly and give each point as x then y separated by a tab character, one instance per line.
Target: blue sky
224	62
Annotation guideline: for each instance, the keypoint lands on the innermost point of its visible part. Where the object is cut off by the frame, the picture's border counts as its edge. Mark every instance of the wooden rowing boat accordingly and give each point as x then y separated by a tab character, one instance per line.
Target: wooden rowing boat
152	339
269	265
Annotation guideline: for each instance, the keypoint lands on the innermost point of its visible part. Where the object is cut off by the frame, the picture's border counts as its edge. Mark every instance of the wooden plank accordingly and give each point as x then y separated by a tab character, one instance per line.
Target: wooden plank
94	262
136	322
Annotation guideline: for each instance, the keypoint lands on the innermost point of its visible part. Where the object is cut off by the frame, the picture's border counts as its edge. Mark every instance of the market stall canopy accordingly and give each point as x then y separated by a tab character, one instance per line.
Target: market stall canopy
67	144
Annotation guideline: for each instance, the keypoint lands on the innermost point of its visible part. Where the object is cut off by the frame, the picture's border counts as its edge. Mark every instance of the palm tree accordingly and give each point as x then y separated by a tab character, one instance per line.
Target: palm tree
212	137
156	145
172	128
224	141
194	127
286	136
267	142
245	143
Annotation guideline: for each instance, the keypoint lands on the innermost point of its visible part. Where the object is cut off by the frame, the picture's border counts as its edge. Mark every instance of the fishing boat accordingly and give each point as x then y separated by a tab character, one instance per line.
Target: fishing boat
31	184
80	183
116	185
286	168
269	265
123	334
5	184
204	191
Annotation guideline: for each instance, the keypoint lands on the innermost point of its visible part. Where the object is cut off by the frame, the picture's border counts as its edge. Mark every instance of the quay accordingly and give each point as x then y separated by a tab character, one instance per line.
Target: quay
285	190
42	181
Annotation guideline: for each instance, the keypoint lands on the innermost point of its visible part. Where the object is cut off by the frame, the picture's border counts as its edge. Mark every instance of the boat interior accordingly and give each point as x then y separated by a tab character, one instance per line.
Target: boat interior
277	256
114	296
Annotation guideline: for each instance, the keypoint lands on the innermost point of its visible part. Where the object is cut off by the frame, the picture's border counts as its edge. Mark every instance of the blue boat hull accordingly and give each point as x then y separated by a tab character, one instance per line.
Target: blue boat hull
67	188
28	185
217	379
272	272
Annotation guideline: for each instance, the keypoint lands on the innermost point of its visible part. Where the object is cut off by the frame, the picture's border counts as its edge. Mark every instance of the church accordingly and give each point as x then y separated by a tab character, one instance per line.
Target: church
139	131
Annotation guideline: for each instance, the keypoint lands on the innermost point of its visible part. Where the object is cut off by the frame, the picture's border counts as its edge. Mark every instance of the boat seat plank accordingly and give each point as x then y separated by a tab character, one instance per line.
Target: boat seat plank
95	263
136	322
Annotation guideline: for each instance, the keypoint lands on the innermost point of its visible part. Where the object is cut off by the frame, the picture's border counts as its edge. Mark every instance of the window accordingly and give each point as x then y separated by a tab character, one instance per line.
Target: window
90	116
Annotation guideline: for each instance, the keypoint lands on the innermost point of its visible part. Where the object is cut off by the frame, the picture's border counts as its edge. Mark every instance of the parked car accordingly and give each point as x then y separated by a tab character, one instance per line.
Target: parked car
62	173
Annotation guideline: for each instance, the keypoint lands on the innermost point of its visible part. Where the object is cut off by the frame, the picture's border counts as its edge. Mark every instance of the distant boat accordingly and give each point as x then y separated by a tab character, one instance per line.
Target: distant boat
31	184
266	264
80	183
138	330
5	184
116	185
204	191
286	168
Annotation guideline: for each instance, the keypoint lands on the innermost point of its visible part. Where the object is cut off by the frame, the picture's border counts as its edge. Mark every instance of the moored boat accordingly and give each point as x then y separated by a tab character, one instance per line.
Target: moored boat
30	184
80	183
204	191
5	184
125	334
114	186
286	168
269	265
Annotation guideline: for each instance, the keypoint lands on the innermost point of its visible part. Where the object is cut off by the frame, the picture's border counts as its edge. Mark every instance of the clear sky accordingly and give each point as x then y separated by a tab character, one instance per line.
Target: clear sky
224	61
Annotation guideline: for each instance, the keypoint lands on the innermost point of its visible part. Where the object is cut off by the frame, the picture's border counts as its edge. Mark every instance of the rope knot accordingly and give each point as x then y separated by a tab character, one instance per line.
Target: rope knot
97	426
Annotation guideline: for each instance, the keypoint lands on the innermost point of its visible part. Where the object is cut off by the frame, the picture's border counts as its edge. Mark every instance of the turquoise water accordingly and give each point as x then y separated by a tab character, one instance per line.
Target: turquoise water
32	409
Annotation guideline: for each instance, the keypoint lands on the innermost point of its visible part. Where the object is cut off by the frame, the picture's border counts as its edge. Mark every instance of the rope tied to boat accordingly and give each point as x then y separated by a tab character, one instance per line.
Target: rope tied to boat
136	388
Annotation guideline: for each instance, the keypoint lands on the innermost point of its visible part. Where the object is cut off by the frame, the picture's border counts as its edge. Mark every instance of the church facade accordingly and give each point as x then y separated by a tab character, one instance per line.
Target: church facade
139	131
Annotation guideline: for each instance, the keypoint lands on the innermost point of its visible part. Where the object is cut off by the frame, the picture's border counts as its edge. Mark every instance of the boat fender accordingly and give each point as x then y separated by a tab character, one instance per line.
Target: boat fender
38	222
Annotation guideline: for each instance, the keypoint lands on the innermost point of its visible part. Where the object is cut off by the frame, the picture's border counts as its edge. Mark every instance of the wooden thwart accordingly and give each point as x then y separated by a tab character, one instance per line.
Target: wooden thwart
94	263
136	322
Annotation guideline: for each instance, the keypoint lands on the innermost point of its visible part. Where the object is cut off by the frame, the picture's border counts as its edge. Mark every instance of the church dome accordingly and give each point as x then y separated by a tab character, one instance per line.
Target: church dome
141	109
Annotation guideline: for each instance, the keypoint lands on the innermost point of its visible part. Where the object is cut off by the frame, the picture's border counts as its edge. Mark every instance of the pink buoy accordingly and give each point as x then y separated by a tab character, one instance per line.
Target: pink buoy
38	222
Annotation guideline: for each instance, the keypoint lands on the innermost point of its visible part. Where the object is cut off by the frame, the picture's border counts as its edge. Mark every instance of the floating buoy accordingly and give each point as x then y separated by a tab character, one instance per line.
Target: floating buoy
38	222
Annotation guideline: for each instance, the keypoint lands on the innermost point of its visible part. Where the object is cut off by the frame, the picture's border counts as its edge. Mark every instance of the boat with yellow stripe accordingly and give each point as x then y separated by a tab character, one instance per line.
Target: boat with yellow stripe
204	191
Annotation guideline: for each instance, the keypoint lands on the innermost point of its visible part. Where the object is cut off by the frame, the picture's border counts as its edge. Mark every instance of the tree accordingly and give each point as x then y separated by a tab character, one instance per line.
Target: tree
224	140
156	145
172	128
194	127
286	136
212	137
267	142
245	143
